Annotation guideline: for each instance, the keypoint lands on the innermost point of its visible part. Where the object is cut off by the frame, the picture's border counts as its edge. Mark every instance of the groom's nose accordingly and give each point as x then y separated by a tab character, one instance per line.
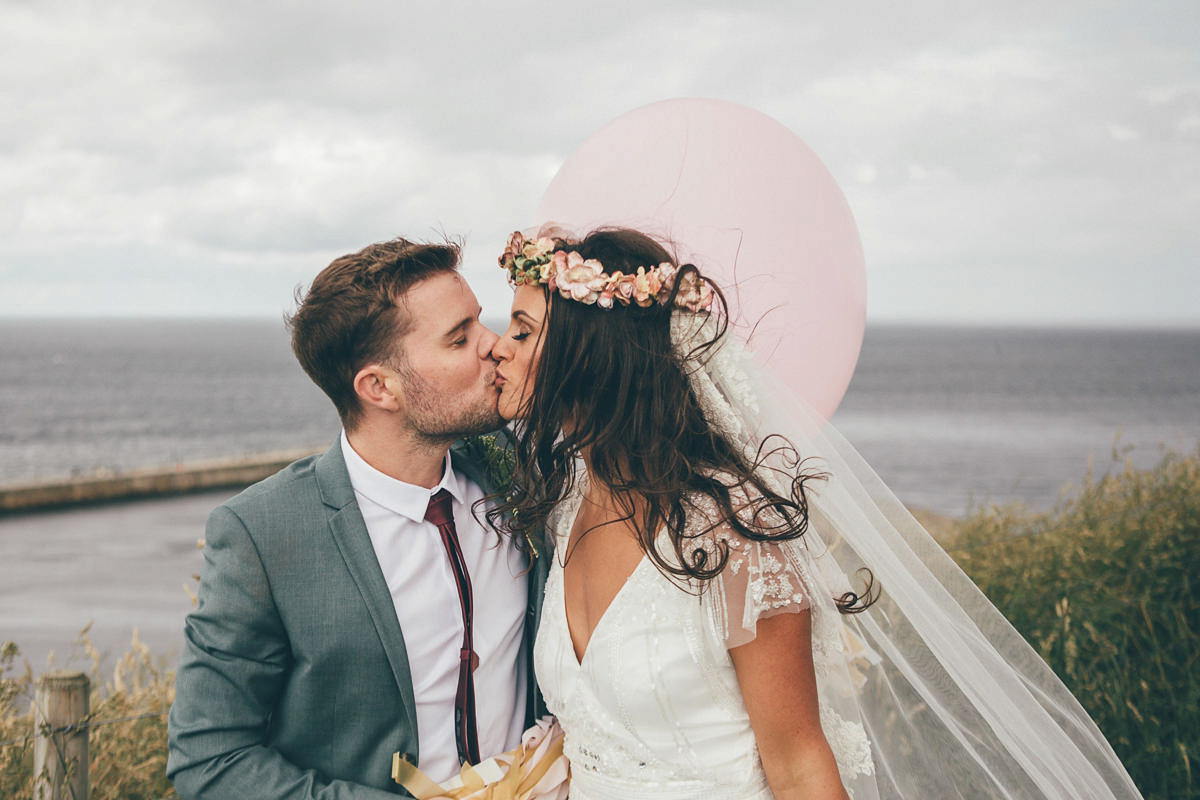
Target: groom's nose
487	341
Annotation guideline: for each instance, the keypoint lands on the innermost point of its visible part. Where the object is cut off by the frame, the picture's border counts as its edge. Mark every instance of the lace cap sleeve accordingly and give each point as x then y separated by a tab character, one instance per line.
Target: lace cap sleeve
760	579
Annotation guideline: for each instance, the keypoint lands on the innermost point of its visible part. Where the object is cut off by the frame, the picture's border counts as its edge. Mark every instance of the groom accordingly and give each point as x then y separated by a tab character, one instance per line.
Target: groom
351	606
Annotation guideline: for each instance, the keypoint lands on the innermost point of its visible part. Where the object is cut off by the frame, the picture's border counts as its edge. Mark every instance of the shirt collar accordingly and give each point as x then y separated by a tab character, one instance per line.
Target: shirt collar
406	499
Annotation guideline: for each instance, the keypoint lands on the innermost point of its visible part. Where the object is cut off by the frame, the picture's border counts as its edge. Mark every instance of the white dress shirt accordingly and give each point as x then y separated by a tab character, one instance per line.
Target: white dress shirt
424	592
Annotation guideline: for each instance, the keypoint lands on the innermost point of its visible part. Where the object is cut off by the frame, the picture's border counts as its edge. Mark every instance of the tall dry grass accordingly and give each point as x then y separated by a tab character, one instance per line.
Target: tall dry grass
127	736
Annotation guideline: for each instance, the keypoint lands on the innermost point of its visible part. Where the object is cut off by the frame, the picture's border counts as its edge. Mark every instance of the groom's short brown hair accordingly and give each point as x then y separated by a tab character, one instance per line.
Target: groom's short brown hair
349	317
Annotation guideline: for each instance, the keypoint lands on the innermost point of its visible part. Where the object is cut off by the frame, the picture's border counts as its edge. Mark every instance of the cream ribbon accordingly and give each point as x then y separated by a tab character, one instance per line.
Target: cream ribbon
534	770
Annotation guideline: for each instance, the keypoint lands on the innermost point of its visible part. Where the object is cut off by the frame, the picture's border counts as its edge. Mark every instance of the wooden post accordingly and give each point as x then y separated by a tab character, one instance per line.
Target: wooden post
60	747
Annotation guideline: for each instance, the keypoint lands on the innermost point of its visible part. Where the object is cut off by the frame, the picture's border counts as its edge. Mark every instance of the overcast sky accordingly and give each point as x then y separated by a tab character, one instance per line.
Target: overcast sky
1006	162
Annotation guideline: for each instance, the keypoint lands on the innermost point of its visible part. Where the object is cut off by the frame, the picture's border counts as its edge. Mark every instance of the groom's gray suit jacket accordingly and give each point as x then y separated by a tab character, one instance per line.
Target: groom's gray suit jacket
294	680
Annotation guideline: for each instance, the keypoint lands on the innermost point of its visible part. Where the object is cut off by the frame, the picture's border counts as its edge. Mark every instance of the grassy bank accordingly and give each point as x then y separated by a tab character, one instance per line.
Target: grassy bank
1105	588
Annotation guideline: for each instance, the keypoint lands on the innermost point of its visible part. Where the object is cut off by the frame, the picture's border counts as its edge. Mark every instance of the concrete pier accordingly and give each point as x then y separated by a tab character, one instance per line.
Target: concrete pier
159	482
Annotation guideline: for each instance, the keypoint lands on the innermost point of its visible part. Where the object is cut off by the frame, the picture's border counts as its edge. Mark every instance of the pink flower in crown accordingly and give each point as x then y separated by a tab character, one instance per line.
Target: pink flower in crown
556	267
515	244
666	274
645	287
582	280
694	294
621	286
609	292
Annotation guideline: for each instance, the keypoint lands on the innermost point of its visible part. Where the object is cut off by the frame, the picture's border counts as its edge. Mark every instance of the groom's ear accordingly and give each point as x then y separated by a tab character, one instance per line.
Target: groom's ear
379	386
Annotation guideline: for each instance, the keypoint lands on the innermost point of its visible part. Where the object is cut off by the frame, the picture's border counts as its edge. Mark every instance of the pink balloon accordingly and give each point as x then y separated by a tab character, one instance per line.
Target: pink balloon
744	199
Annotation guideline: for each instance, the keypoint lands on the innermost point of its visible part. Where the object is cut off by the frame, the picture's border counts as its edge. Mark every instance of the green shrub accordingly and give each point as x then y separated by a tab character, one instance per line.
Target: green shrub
1106	589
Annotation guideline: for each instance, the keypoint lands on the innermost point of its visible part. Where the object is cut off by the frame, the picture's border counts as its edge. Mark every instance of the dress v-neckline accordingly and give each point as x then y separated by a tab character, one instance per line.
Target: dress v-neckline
578	658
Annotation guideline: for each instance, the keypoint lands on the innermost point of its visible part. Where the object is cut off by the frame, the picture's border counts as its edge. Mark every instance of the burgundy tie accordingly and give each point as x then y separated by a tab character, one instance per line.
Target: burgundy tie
465	736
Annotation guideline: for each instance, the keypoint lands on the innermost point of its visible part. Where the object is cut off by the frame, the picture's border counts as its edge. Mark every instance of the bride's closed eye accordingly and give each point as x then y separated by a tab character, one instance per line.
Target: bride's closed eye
520	337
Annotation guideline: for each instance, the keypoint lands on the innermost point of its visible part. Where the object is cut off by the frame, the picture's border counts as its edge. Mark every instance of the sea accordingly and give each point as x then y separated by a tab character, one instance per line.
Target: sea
953	419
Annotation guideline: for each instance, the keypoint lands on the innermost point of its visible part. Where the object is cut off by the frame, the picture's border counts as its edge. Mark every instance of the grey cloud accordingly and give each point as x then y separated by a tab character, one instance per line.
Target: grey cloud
1026	138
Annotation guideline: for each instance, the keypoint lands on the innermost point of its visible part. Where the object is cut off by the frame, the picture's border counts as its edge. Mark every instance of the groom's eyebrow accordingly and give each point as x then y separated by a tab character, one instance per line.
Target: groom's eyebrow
462	325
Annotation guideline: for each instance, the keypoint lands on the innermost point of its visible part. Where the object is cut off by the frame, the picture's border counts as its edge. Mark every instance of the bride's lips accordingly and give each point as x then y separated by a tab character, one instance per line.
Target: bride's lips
499	380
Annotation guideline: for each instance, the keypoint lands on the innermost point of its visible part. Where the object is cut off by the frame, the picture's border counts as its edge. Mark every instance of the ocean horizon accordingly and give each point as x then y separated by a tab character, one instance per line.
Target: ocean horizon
952	417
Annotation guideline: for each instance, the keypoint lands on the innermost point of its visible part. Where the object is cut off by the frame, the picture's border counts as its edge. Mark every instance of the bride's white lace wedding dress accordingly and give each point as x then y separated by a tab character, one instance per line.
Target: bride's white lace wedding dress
930	693
654	710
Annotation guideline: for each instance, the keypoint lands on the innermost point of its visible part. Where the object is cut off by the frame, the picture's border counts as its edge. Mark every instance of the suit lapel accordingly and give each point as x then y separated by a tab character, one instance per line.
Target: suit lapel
350	533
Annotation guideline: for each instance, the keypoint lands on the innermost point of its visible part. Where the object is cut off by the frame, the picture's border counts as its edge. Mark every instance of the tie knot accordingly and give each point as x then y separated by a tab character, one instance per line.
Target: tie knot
439	511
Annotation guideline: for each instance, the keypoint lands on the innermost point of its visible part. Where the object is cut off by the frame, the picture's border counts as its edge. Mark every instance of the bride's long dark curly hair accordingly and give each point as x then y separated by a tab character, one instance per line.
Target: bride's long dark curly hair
610	381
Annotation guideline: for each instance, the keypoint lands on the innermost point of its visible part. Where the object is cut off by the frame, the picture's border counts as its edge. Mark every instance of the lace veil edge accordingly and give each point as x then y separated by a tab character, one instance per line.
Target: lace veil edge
930	692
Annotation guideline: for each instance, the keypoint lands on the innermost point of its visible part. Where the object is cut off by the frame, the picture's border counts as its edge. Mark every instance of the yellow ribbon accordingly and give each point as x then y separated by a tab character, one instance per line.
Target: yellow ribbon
520	780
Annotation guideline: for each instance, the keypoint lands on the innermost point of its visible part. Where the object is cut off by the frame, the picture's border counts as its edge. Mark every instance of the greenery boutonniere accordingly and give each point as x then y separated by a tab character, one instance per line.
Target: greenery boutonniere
498	460
499	467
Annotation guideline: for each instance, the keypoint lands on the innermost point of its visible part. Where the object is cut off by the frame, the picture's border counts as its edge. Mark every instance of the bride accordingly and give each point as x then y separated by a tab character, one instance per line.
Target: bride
737	608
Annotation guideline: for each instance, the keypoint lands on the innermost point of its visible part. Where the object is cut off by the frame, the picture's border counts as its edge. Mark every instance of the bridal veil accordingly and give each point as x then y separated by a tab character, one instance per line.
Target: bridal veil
953	702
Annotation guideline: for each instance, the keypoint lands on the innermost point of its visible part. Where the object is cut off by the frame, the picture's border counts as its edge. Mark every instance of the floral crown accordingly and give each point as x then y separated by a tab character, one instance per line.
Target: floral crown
545	261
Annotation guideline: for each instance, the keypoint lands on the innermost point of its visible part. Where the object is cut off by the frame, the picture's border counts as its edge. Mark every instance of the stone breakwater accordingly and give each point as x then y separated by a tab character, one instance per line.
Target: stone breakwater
157	482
